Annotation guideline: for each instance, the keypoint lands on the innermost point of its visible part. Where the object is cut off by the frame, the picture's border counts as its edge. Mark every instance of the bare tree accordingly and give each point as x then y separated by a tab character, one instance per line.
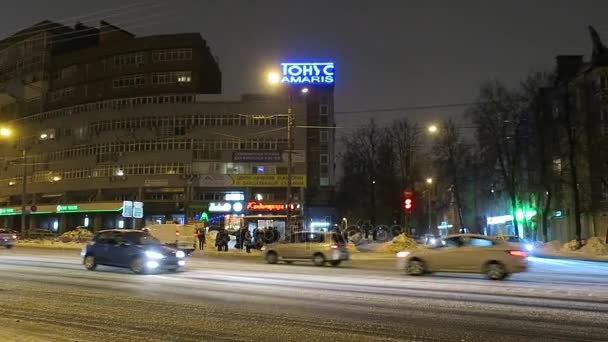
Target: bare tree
451	155
502	135
405	139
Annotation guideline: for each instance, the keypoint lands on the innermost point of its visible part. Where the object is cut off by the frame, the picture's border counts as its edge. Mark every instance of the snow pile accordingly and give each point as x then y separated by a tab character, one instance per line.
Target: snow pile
595	246
77	235
400	243
48	243
552	247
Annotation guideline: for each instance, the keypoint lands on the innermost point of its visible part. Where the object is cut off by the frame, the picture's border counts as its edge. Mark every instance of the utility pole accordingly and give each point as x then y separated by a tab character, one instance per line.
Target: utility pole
23	189
289	162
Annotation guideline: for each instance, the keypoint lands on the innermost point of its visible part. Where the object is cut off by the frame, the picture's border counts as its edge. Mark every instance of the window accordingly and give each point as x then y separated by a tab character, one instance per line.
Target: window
323	109
477	242
323	136
452	242
59	94
314	237
557	164
130	59
172	77
324	181
324	159
129	81
161	56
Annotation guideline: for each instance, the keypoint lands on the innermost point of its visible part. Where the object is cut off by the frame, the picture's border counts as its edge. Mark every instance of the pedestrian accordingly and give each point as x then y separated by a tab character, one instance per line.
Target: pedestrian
221	240
247	239
201	238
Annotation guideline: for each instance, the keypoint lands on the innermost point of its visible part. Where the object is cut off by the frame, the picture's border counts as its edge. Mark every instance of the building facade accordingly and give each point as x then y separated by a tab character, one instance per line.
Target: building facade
104	117
573	117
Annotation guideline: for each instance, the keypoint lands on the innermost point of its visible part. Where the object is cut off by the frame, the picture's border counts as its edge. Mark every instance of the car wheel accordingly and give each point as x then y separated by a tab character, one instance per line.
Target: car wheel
175	269
272	258
318	259
90	263
415	267
496	271
335	262
137	265
8	246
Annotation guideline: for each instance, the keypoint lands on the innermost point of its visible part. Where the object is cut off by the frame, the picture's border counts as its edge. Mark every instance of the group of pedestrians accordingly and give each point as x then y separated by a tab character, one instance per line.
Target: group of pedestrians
244	238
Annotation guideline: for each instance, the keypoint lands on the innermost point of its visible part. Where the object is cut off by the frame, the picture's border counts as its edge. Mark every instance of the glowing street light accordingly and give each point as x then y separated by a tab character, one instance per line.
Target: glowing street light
5	132
56	178
433	129
274	77
304	90
429	180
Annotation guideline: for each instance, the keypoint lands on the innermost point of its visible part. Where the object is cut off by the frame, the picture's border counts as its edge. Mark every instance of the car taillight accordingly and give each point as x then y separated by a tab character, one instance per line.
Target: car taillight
518	253
176	233
15	236
334	246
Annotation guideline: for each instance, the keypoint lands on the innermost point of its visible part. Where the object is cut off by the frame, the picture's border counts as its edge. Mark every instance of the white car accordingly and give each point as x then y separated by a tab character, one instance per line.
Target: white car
318	247
466	253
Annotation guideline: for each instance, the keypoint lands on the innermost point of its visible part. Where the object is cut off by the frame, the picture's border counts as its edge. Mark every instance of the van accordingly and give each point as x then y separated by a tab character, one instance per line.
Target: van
180	236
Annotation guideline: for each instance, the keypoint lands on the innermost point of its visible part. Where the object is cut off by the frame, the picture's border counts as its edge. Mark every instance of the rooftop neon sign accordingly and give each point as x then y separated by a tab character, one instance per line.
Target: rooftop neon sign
311	73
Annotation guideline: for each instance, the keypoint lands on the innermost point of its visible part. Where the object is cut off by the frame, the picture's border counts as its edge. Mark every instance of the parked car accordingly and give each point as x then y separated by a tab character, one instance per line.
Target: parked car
7	238
134	249
466	253
318	247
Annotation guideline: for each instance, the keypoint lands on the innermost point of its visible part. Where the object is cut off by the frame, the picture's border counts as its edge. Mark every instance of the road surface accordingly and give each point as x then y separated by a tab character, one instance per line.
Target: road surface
46	295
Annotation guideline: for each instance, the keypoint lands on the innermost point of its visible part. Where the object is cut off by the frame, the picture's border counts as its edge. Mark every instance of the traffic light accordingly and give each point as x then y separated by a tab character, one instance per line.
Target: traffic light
408	200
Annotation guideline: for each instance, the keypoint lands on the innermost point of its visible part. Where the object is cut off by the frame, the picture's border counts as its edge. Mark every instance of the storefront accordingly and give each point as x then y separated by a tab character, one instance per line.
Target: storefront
265	216
63	217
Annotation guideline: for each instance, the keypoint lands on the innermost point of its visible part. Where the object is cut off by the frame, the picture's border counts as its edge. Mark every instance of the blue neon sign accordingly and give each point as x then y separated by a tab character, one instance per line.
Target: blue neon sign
312	73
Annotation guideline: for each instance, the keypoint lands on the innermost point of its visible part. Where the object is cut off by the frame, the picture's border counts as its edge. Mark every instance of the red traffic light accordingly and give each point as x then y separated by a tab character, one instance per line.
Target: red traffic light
408	200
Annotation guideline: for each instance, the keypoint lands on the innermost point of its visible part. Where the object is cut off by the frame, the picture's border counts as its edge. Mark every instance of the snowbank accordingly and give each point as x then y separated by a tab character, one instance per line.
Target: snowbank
400	243
593	249
50	243
77	235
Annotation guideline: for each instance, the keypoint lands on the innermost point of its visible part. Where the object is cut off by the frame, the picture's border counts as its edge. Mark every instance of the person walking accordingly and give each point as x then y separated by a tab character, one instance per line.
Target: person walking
248	241
201	238
221	240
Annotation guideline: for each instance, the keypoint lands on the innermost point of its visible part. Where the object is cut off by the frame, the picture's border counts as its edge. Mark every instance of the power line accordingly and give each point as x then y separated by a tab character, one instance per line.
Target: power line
46	26
406	108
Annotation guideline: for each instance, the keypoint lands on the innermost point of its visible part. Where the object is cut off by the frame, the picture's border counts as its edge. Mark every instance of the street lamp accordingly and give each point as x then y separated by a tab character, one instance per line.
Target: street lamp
429	182
274	77
5	132
433	128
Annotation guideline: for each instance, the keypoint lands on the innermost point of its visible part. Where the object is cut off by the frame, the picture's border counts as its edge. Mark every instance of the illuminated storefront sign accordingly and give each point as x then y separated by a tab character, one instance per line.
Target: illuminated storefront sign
311	73
257	206
253	180
234	196
225	207
499	219
7	211
138	209
70	207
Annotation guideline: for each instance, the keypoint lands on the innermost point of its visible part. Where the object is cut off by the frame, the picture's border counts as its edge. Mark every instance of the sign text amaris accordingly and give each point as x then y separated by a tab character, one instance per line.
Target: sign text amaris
312	73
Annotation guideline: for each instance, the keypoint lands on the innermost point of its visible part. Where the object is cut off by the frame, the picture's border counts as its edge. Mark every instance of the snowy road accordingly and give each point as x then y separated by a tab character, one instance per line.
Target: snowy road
46	295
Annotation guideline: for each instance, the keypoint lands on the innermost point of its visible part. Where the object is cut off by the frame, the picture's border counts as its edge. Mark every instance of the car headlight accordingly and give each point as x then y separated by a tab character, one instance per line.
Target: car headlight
529	247
433	241
83	252
154	255
263	248
180	254
403	254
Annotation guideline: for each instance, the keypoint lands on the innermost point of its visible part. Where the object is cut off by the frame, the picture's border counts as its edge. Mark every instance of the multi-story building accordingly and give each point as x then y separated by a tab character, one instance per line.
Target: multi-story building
573	121
100	117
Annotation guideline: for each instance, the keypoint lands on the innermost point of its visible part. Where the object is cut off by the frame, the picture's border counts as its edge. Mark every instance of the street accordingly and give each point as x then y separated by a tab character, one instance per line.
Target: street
47	295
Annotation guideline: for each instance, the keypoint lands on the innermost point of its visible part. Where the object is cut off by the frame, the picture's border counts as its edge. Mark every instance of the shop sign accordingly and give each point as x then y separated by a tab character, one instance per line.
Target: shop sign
127	209
252	181
257	156
219	207
257	206
311	73
69	207
138	209
499	219
7	211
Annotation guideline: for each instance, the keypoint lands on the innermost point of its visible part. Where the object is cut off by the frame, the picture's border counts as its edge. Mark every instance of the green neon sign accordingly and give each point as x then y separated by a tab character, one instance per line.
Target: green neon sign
204	216
70	207
7	211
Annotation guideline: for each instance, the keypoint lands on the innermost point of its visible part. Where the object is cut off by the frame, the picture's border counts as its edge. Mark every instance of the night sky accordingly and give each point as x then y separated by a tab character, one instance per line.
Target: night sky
388	53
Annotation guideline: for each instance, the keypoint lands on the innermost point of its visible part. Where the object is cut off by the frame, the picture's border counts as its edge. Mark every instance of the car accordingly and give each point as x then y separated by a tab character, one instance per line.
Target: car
179	236
7	238
133	249
466	253
318	247
514	239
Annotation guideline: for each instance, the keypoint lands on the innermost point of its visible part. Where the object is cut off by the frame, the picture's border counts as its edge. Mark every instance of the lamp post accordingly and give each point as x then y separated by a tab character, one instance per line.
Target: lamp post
275	78
429	182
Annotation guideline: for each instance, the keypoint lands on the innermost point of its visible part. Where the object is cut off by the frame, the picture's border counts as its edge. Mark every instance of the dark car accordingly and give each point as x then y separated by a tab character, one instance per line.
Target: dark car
134	249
